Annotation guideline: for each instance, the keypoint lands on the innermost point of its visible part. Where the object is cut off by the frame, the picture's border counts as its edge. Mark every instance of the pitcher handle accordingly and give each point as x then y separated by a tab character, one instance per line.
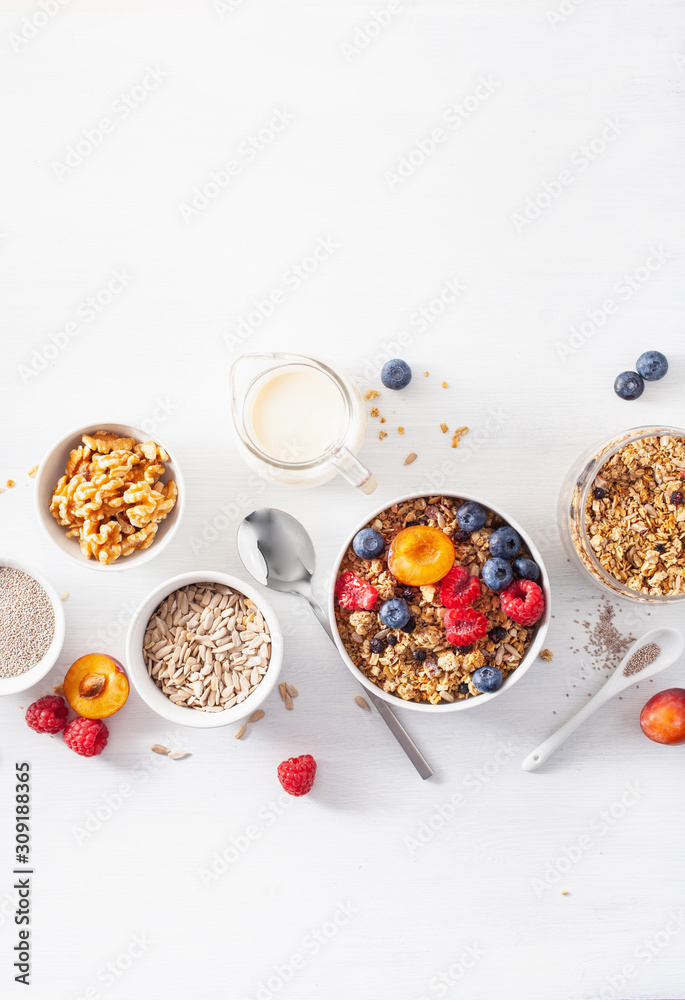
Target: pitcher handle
351	469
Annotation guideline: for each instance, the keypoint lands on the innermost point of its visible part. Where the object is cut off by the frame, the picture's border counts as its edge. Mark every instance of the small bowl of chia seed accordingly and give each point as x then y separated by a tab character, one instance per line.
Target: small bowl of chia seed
31	626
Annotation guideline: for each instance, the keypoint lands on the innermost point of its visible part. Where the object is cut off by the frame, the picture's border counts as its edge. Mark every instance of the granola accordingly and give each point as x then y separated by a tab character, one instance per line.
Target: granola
445	674
635	516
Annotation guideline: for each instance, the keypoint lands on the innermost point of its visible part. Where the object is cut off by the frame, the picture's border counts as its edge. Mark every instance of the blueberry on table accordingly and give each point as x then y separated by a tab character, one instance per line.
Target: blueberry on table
394	613
505	543
526	569
396	374
497	574
652	365
368	543
471	516
629	385
487	679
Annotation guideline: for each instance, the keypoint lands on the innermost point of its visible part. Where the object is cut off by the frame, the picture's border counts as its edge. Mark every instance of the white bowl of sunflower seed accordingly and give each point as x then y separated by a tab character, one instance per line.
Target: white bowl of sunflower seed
109	496
204	649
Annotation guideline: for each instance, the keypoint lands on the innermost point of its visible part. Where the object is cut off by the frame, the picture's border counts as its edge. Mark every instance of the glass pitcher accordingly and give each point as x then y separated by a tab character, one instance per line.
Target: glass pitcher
299	420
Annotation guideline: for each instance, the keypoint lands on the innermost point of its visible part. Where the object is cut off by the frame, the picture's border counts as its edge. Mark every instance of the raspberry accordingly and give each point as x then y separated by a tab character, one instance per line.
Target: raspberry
464	626
297	774
87	737
353	593
47	715
459	589
523	602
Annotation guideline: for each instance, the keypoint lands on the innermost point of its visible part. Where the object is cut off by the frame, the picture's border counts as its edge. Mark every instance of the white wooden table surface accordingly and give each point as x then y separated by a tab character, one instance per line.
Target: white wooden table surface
376	884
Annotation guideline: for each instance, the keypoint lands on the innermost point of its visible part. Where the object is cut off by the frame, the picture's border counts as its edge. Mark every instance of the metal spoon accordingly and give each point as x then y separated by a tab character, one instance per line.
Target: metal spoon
670	644
276	549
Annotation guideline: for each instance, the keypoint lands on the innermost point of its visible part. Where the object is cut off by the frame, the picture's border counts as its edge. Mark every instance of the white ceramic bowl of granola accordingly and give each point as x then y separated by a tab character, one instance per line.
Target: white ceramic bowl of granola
36	673
50	471
155	698
531	653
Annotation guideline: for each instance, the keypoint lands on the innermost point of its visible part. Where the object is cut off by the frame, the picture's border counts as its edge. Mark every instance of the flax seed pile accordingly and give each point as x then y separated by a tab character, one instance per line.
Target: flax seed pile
635	516
445	674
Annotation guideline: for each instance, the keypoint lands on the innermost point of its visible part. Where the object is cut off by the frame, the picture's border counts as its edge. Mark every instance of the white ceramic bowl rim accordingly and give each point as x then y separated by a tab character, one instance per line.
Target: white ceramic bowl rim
48	475
154	698
12	685
513	677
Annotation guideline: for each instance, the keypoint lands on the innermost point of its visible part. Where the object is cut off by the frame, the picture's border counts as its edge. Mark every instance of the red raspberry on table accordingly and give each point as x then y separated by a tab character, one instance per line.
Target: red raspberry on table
87	737
464	626
459	589
297	774
353	593
48	714
523	601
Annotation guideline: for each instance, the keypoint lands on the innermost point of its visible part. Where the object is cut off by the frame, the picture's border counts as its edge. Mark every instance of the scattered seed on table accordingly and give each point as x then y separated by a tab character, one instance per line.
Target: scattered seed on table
288	702
411	458
291	689
178	754
362	702
158	748
241	731
256	716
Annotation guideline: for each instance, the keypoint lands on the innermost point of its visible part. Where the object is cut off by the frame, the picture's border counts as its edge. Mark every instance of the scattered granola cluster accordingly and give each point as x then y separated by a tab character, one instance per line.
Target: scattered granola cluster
417	661
112	497
635	516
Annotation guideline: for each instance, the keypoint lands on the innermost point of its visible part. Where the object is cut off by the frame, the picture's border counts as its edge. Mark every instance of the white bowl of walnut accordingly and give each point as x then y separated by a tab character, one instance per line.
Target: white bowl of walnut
109	496
419	667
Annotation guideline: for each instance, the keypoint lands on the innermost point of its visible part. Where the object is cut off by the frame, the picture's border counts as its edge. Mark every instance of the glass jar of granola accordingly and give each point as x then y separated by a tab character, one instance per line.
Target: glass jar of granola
622	516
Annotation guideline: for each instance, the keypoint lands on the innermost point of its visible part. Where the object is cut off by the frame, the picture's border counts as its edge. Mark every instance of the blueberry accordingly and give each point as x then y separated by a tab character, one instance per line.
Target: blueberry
394	613
460	536
419	654
487	679
464	649
392	640
497	574
368	543
660	548
497	633
376	645
526	569
463	688
629	385
505	543
599	493
408	594
652	365
471	516
410	626
396	374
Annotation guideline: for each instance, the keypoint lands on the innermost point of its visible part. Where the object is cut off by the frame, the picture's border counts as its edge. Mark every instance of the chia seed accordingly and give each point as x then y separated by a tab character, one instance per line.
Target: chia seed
641	659
27	622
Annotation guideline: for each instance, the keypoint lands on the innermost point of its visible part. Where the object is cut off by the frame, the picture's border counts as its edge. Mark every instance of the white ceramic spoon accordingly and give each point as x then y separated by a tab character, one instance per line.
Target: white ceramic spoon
670	642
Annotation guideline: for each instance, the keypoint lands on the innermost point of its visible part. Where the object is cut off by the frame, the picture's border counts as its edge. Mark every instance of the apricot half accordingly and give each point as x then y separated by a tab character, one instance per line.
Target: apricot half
96	686
420	555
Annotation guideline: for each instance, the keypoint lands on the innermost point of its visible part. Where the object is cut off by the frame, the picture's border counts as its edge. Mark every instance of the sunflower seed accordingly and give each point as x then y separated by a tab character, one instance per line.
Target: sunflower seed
256	716
240	732
178	754
158	748
362	702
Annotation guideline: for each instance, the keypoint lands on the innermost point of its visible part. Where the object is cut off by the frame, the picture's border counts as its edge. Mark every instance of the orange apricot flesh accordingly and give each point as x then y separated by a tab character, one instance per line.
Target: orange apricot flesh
420	555
96	686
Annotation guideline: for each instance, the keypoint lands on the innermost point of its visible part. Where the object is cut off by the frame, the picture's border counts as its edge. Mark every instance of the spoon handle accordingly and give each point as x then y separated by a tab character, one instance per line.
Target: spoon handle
387	715
552	743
